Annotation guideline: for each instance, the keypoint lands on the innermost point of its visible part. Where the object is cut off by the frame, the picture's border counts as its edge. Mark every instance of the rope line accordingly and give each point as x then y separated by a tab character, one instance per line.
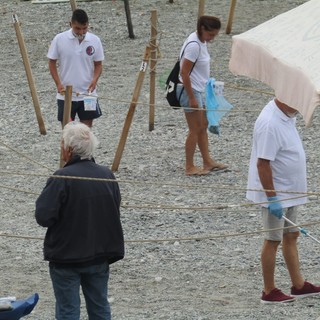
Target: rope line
249	89
166	106
171	207
194	238
24	156
18	190
169	107
161	183
216	207
220	236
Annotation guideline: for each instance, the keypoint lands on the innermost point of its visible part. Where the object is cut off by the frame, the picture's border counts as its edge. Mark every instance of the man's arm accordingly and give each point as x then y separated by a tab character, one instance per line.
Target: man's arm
55	76
96	74
265	175
266	179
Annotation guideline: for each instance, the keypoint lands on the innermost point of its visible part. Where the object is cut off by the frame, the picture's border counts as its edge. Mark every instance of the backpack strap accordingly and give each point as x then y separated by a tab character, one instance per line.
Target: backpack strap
186	47
192	65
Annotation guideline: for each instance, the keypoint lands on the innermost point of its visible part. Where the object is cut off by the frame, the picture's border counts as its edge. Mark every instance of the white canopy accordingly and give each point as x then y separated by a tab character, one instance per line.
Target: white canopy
284	53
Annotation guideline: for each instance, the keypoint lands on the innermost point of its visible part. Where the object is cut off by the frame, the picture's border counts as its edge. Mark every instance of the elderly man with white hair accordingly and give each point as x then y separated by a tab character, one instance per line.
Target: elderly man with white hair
84	234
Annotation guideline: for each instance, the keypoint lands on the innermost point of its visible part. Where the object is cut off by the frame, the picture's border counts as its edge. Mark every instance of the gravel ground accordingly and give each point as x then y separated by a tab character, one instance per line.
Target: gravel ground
191	252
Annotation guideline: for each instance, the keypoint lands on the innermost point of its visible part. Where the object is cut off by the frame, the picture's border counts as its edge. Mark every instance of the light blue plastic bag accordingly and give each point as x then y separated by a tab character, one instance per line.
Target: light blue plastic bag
217	106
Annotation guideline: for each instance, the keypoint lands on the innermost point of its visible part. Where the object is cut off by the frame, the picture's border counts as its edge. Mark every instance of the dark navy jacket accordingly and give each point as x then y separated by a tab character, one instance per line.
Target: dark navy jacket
82	216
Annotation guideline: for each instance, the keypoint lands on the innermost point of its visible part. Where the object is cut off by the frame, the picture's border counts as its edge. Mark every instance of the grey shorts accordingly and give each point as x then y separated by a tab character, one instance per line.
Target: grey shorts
272	222
184	99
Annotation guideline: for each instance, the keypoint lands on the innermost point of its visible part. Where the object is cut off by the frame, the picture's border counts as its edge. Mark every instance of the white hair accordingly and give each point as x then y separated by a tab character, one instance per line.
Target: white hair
80	139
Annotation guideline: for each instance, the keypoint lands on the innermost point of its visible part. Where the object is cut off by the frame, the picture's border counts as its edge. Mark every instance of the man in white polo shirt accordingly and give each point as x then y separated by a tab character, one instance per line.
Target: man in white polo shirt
278	163
80	55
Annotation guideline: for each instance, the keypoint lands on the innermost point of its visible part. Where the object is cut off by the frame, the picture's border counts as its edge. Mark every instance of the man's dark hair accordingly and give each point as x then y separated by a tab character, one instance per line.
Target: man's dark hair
80	16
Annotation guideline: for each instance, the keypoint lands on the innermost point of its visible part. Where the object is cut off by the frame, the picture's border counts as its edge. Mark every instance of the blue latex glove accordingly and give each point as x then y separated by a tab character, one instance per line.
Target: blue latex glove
275	208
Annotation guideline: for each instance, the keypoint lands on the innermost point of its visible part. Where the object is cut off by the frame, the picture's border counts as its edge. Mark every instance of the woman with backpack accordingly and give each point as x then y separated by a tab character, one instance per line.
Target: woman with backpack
194	74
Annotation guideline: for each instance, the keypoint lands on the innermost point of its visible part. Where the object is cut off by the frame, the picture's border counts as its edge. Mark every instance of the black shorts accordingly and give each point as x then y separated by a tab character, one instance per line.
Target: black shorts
77	107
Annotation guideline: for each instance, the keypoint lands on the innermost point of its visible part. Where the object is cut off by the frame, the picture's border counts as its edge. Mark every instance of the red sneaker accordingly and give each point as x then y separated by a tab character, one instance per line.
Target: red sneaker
275	296
307	290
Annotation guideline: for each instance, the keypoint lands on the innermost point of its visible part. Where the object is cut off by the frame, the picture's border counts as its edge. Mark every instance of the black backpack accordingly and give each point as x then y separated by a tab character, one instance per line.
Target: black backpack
173	80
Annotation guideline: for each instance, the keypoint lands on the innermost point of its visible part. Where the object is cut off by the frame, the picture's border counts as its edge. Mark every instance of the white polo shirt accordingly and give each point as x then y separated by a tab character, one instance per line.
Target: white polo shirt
276	138
197	51
76	60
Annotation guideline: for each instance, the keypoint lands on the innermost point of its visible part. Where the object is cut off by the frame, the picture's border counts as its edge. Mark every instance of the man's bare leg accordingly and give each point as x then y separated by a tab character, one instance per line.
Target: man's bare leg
268	262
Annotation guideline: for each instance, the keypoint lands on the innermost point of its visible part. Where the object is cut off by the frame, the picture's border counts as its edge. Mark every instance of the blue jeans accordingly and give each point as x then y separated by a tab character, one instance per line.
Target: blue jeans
93	280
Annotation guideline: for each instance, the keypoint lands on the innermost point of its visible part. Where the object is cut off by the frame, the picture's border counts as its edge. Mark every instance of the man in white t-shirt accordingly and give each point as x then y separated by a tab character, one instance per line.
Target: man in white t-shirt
80	55
278	163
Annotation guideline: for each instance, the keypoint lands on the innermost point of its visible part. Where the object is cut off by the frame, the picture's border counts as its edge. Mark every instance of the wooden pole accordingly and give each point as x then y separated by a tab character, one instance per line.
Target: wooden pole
153	62
131	110
67	106
73	5
66	113
27	67
231	14
201	8
129	22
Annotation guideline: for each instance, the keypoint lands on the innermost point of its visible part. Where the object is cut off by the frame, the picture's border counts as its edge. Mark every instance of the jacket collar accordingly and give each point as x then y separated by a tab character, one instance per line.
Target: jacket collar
76	159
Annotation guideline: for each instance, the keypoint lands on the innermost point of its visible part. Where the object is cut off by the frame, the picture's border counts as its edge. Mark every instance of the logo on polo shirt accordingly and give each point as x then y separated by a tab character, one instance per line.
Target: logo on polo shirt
90	50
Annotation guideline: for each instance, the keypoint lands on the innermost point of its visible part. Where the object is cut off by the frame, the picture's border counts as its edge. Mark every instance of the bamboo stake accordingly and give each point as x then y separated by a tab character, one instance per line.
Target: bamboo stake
27	67
129	22
67	106
153	62
231	14
201	8
62	163
73	5
66	113
128	121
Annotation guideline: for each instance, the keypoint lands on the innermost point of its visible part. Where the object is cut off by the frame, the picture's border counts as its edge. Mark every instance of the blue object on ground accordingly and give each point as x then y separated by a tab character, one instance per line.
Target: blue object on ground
20	309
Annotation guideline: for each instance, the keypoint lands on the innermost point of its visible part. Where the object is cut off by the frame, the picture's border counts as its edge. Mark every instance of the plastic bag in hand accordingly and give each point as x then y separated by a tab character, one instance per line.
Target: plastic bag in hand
216	105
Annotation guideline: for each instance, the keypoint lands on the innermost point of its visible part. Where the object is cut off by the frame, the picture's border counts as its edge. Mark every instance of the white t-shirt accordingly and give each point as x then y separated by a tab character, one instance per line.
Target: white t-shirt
197	51
76	60
276	138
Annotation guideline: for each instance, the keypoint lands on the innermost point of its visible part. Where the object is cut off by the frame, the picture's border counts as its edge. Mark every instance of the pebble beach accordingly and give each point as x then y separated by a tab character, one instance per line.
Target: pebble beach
192	243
